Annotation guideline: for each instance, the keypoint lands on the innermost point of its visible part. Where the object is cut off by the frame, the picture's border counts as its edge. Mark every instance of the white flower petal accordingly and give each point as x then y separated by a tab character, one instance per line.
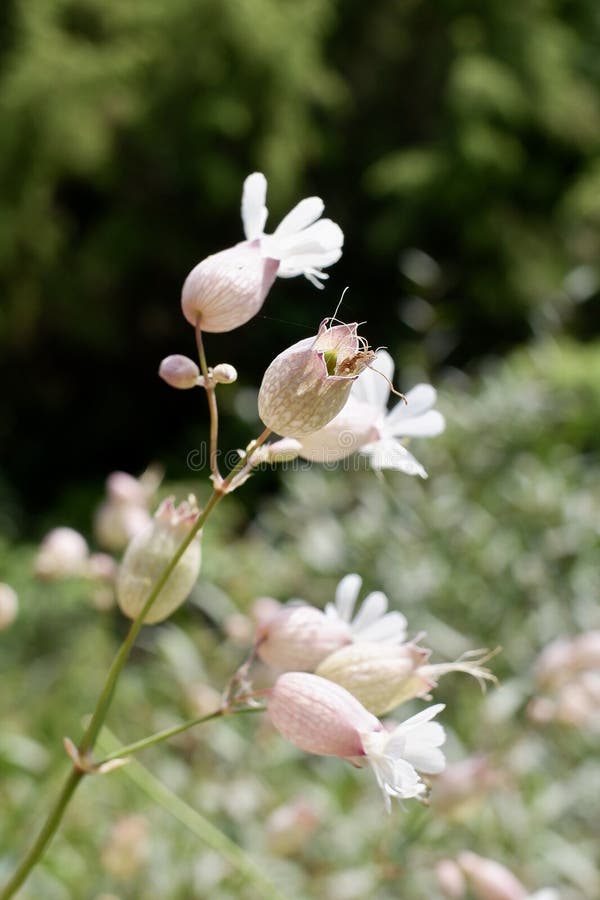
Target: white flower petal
346	595
254	211
301	216
372	385
390	628
389	454
419	399
429	424
373	607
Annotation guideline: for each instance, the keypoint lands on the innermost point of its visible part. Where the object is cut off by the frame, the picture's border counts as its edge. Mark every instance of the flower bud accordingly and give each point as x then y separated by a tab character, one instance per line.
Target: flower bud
490	880
308	384
376	673
227	289
148	555
280	451
299	637
179	372
223	373
9	605
62	554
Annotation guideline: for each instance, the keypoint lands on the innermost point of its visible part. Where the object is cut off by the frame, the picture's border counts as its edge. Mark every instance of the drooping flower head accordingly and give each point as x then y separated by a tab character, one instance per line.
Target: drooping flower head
364	424
308	384
319	716
227	289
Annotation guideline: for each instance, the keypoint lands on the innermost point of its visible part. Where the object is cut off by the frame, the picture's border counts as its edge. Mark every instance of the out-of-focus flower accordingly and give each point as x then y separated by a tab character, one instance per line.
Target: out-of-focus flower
179	372
489	880
372	622
63	553
148	555
307	384
227	289
567	675
289	827
124	513
9	605
321	717
450	879
464	784
299	637
127	847
364	424
374	672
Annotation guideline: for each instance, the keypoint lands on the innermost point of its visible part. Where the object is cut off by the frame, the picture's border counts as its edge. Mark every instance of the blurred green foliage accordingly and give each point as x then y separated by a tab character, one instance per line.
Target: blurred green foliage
499	546
457	143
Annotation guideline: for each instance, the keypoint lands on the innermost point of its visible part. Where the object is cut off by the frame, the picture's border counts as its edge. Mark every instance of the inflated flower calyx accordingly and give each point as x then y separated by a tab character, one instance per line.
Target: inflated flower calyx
308	384
227	289
179	372
299	637
148	555
378	674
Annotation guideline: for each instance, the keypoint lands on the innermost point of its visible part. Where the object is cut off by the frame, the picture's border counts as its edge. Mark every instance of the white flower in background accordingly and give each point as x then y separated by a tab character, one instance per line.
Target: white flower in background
373	622
366	426
303	243
398	756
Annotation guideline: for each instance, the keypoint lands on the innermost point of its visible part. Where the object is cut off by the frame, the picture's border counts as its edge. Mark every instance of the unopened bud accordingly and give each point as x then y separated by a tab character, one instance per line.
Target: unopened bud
376	673
179	372
9	605
308	384
149	554
284	450
62	554
223	373
298	638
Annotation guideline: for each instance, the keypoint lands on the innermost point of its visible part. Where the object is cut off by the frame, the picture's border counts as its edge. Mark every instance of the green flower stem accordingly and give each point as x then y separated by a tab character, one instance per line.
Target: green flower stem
43	839
167	733
213	409
196	823
86	745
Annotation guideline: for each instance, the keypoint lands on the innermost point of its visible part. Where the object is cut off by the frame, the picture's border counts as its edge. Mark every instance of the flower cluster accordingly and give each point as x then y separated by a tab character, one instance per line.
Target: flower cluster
340	671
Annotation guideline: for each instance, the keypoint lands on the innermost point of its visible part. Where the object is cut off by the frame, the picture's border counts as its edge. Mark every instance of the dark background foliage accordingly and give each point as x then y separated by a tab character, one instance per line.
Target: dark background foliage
457	143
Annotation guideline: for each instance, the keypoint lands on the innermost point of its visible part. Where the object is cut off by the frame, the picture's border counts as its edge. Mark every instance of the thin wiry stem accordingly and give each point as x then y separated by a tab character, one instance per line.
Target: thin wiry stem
213	410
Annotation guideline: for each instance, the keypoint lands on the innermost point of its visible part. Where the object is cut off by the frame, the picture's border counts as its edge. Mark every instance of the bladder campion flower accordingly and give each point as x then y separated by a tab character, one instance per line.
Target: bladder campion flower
307	384
320	717
147	556
365	425
227	289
